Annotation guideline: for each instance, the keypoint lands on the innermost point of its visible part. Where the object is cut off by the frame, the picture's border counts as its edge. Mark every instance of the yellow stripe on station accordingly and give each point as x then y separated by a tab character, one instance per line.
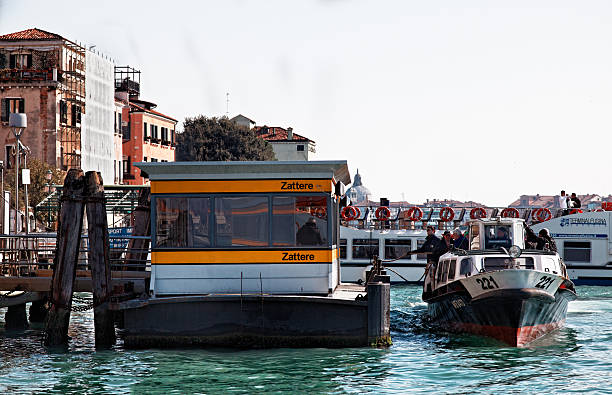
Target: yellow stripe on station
227	257
241	186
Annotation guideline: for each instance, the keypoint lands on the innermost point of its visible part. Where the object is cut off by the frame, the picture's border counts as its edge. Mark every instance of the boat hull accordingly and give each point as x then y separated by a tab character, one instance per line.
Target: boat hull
513	316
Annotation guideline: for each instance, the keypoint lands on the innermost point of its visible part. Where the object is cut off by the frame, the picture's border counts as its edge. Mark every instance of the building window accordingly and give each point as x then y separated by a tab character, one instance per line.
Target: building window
12	105
120	120
127	165
145	159
153	160
300	147
63	111
75	115
20	61
577	251
146	132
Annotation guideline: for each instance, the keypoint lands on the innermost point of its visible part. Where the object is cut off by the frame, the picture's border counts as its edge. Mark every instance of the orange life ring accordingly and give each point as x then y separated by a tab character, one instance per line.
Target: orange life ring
575	211
382	213
510	212
478	212
542	214
321	212
349	213
599	210
358	212
415	213
447	214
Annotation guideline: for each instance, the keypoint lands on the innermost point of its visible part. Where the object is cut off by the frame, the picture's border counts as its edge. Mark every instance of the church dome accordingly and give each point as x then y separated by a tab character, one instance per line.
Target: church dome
358	193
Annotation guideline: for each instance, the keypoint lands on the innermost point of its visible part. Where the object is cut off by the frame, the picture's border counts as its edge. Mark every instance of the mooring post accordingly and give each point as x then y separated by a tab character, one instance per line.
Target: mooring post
98	256
379	312
66	255
138	249
16	318
38	311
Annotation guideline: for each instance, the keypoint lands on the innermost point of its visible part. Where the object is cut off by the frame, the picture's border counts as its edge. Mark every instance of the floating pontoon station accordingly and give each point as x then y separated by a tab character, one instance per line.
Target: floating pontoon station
246	254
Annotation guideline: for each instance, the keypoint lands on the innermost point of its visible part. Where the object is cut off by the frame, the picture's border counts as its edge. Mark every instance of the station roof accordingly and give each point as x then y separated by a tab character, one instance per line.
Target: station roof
247	170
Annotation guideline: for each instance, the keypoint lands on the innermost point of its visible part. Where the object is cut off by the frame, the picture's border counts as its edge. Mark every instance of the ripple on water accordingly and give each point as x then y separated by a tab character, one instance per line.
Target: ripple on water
422	359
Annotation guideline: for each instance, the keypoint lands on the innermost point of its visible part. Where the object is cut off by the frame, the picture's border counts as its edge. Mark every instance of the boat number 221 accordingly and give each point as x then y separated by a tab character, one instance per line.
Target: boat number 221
544	282
487	283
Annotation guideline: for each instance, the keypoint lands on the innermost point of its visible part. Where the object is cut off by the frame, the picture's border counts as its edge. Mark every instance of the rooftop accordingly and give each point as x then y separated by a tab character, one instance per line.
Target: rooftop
275	133
31	34
140	108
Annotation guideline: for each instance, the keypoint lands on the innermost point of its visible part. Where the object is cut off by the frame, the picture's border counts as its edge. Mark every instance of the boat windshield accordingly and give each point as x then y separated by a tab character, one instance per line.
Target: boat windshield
497	236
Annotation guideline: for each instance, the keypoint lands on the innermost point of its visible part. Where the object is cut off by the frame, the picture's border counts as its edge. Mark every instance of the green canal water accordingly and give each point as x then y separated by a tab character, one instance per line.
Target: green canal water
577	358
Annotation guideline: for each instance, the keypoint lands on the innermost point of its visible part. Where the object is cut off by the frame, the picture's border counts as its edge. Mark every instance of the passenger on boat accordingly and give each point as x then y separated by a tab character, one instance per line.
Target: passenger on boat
543	241
443	246
459	240
575	201
475	242
431	242
309	234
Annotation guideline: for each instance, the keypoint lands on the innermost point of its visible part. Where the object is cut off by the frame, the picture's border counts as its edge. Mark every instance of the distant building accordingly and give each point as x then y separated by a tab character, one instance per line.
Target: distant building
66	92
358	193
243	121
286	144
588	201
148	135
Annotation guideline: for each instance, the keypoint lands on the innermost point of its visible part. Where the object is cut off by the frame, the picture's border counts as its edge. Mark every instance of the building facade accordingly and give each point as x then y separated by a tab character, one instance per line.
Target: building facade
286	144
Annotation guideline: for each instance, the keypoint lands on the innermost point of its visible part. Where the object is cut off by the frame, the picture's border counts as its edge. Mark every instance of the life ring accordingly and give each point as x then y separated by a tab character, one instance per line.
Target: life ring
349	213
414	213
358	212
510	212
599	210
542	214
575	211
446	214
321	212
382	213
478	212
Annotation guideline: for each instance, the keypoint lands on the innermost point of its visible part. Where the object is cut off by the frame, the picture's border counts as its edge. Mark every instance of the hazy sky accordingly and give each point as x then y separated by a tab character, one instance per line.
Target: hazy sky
471	100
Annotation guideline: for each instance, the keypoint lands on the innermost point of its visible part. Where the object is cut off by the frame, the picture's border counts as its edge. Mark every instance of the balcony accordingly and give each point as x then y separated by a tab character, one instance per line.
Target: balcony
28	75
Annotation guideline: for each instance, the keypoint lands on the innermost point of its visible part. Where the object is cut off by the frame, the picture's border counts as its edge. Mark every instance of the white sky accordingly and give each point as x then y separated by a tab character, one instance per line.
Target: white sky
471	100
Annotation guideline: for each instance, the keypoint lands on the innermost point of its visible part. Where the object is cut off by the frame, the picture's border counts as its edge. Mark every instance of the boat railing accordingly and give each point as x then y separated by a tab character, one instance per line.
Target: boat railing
28	255
402	217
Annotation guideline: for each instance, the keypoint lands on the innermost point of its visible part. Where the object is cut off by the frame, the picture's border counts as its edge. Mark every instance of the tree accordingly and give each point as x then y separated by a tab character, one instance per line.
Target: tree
219	139
36	189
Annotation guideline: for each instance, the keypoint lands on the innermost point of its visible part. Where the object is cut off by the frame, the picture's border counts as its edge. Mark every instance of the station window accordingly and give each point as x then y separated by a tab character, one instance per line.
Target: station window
299	221
242	221
397	248
342	248
183	222
365	248
577	251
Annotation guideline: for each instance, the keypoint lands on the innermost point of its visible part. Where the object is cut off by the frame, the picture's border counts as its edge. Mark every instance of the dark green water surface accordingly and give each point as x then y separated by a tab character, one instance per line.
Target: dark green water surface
577	358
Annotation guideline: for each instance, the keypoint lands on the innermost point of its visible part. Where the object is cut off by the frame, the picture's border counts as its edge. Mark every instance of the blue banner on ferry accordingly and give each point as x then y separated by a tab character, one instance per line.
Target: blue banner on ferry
580	235
583	222
116	236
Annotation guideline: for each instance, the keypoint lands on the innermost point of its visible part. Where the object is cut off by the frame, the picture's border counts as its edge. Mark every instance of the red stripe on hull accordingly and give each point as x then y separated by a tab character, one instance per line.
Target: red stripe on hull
515	337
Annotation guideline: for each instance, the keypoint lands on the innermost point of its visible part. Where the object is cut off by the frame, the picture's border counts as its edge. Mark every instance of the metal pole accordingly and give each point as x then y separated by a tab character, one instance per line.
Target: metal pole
16	179
25	186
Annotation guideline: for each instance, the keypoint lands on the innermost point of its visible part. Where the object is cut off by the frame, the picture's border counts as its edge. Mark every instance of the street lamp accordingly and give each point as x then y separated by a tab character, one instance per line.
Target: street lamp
18	122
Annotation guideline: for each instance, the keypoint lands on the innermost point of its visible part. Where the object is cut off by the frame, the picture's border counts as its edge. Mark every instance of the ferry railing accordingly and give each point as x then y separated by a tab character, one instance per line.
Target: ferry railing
33	255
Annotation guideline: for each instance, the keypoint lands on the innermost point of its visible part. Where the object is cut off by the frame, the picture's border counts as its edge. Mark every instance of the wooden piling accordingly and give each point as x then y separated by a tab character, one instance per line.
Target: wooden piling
38	311
98	256
138	249
70	223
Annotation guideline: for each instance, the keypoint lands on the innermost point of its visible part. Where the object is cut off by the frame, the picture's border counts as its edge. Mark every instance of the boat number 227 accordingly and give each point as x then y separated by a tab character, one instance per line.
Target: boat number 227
487	283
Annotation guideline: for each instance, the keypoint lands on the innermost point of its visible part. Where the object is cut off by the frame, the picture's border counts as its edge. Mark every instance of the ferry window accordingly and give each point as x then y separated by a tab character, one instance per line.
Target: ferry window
365	248
497	236
465	267
299	221
420	243
171	225
445	271
497	263
440	271
242	221
397	248
451	269
577	251
342	248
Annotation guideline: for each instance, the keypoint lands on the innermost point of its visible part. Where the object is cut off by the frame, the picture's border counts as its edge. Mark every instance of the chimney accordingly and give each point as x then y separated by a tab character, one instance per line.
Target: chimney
289	133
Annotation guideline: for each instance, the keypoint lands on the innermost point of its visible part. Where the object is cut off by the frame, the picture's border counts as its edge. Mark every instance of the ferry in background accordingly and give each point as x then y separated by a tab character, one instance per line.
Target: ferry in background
583	239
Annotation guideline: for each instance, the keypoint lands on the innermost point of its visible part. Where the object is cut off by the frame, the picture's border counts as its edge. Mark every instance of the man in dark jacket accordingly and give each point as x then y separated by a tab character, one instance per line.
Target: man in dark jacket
459	240
431	242
575	201
309	234
443	246
543	241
